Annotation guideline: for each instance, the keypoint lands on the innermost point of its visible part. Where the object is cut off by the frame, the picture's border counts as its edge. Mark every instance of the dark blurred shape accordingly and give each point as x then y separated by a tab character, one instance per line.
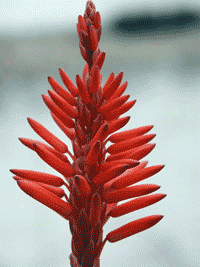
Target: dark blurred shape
151	23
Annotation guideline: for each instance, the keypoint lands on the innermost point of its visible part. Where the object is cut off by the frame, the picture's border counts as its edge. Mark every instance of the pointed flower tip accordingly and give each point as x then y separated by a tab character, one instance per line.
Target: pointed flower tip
20	181
61	71
29	120
15	178
12	170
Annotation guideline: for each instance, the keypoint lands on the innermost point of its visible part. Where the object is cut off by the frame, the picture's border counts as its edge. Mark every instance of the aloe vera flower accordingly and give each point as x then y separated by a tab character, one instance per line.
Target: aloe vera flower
89	115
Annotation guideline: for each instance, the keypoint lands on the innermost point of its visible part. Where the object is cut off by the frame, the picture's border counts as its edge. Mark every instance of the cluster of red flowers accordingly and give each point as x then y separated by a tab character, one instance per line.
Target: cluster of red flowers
89	115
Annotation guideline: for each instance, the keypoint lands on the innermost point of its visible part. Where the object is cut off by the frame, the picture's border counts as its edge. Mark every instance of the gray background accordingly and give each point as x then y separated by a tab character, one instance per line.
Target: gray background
161	64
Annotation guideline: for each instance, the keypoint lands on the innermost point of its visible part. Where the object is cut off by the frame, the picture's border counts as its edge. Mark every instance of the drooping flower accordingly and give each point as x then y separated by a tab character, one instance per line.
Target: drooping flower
89	114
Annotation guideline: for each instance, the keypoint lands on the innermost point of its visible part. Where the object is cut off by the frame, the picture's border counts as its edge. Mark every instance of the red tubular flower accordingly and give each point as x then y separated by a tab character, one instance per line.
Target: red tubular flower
129	192
46	197
39	177
88	113
133	228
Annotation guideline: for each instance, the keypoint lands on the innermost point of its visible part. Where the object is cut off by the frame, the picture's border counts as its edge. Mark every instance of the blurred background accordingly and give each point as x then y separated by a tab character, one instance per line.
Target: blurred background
157	45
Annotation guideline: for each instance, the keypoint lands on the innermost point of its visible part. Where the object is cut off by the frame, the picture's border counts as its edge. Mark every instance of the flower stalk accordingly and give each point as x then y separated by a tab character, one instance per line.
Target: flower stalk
89	115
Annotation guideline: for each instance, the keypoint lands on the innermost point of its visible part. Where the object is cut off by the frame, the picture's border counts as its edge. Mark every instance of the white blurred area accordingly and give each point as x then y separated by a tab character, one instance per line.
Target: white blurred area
162	70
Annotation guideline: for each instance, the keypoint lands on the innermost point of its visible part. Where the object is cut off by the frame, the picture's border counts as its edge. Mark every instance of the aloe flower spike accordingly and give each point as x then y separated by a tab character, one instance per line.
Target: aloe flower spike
98	178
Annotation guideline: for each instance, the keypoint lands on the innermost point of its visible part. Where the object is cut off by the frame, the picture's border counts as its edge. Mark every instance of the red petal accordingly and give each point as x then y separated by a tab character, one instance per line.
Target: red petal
99	61
110	174
141	152
117	124
55	190
69	132
133	176
68	83
89	7
95	209
131	143
83	51
87	115
119	111
108	186
63	105
39	177
83	90
47	198
93	154
124	154
85	40
135	153
108	82
85	72
110	90
48	136
142	165
80	135
129	192
112	105
133	228
58	112
101	134
95	81
109	207
82	23
96	124
61	91
132	163
129	134
94	58
99	33
76	148
29	143
100	79
54	161
121	89
97	20
82	185
136	204
93	38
